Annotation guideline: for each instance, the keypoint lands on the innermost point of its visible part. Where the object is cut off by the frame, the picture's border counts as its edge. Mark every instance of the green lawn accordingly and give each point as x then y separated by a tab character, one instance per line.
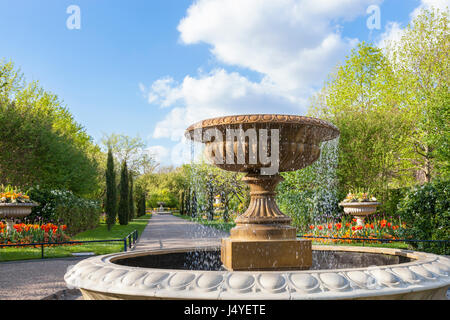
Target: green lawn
99	233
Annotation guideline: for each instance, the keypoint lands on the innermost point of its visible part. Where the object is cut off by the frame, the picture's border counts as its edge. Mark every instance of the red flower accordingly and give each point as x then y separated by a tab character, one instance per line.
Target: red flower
320	227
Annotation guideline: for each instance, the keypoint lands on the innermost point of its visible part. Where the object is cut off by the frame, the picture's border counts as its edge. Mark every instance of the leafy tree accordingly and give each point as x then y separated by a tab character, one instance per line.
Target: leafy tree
124	201
420	58
40	141
132	150
363	100
111	192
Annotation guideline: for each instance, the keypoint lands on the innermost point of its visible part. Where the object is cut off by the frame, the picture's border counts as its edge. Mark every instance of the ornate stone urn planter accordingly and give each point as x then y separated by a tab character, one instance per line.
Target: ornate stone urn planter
13	211
359	210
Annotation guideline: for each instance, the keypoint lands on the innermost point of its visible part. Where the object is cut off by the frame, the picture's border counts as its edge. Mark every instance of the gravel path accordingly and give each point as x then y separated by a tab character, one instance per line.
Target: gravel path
33	279
168	231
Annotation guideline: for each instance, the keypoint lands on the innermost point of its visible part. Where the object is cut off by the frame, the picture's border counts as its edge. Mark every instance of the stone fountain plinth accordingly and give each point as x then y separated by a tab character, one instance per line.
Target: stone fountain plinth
263	238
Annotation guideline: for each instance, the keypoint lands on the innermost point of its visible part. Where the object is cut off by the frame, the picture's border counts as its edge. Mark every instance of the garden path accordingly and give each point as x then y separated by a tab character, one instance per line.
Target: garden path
33	279
168	231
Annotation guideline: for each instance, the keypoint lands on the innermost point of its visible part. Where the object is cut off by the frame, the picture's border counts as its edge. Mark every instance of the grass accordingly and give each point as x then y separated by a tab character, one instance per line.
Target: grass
99	233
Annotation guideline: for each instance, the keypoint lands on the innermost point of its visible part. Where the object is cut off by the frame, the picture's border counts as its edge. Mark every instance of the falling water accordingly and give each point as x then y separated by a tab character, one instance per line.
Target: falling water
199	259
325	198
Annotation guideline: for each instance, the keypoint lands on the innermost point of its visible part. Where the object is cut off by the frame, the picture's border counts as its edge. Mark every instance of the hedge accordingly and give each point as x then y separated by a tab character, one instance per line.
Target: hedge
63	207
426	211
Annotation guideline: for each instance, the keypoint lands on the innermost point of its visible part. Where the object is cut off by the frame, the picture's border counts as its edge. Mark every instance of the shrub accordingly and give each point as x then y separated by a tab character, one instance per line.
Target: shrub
63	207
426	211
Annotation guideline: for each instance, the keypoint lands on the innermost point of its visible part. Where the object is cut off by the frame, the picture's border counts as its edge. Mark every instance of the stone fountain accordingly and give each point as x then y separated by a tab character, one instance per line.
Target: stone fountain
161	209
263	238
262	258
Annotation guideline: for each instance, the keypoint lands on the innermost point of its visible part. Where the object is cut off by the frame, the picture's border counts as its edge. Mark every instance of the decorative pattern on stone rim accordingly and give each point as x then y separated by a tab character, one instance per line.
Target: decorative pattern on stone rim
265	118
99	274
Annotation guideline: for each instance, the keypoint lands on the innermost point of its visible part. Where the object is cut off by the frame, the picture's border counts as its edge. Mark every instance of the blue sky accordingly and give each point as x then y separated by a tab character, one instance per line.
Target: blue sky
135	68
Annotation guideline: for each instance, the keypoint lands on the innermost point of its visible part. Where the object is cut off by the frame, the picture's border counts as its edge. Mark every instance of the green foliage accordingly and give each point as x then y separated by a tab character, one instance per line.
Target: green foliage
40	142
164	186
111	192
162	195
310	195
363	100
141	205
422	62
132	150
426	211
206	181
124	202
131	209
64	207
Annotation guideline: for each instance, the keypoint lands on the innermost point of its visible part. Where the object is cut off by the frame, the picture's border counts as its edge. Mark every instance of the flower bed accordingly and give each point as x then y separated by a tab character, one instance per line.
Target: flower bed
33	233
349	230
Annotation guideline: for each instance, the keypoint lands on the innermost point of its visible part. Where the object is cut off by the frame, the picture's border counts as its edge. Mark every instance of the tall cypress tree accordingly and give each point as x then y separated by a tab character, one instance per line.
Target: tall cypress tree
111	192
124	200
141	205
131	209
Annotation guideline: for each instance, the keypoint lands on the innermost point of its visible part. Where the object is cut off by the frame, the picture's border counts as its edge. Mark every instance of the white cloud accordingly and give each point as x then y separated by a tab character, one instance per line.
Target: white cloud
159	153
427	4
219	93
394	31
293	44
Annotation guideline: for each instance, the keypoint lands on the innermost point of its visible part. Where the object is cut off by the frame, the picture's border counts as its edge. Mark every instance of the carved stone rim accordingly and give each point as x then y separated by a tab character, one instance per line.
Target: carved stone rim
18	205
427	272
264	118
360	204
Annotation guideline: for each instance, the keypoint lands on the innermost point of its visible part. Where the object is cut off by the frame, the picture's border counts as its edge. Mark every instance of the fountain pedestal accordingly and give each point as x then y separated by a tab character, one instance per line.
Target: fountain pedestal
263	238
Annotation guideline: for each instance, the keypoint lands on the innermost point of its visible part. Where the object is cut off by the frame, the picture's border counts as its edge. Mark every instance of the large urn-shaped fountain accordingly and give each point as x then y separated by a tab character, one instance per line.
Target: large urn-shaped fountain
263	146
262	257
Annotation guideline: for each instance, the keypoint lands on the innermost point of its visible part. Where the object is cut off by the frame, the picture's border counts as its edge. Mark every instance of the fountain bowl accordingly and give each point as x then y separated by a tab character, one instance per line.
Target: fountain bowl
299	139
358	273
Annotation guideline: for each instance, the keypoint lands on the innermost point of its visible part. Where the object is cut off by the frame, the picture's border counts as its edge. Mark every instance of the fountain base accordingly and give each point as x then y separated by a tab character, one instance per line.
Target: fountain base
264	255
